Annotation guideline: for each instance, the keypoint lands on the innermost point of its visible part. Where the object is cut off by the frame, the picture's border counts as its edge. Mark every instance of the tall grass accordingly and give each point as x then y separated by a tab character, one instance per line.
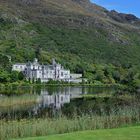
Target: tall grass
17	100
62	124
17	103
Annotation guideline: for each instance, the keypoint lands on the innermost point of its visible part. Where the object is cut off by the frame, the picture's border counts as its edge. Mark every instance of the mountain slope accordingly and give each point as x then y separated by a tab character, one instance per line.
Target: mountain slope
76	32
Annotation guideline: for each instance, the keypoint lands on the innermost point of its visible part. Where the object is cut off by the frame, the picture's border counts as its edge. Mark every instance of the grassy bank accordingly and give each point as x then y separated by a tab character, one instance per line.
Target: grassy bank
127	133
62	124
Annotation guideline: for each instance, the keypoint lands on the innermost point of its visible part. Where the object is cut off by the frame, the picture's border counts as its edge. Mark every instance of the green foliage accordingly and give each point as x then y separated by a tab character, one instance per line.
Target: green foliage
86	51
4	77
21	76
4	63
14	76
38	81
77	48
11	77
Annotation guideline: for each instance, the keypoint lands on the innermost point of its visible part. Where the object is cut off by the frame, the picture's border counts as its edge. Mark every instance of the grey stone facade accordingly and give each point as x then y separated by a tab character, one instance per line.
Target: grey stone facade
55	71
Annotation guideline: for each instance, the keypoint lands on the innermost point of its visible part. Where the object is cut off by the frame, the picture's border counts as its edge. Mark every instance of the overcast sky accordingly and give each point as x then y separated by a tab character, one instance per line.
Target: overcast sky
124	6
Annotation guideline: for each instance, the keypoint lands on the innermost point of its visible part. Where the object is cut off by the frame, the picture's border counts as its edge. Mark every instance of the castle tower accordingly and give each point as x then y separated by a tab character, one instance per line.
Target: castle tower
53	62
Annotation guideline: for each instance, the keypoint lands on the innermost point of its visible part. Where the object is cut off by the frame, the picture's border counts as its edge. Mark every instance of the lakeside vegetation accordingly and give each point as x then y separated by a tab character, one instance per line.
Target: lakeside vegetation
11	101
62	124
86	113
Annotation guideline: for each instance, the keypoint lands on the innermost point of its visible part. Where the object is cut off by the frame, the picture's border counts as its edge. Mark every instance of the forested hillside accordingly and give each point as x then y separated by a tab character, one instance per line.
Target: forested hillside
103	45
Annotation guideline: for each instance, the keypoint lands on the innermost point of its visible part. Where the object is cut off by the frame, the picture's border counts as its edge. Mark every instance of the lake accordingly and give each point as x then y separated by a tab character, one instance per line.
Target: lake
20	102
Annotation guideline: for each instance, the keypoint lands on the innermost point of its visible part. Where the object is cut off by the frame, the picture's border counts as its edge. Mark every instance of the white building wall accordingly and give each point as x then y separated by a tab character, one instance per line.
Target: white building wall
47	72
75	76
39	74
18	67
64	75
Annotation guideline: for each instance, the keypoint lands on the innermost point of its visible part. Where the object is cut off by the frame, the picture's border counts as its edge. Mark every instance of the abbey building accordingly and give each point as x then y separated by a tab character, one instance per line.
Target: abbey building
55	71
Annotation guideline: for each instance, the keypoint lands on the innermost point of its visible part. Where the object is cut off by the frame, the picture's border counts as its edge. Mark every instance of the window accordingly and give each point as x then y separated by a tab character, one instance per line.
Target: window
62	99
62	74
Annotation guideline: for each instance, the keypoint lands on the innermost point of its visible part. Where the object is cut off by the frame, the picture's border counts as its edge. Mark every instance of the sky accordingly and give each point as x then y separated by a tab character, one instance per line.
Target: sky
123	6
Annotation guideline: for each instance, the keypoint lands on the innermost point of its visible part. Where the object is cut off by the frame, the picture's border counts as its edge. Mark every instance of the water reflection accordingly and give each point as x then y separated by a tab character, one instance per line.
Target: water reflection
54	101
41	98
62	90
56	97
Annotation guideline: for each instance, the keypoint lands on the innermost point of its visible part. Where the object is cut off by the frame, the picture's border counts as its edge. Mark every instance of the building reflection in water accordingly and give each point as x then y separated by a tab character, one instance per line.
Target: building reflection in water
55	101
57	98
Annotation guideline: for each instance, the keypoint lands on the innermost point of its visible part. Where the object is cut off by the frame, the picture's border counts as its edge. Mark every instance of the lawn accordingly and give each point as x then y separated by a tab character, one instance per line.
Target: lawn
127	133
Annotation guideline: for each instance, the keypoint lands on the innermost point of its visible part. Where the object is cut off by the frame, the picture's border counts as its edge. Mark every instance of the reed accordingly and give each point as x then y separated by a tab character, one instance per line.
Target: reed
17	100
62	124
17	103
